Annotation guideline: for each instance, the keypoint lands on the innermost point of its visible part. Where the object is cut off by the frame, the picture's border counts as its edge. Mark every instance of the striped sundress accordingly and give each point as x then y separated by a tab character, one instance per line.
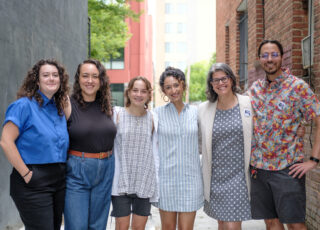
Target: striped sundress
180	178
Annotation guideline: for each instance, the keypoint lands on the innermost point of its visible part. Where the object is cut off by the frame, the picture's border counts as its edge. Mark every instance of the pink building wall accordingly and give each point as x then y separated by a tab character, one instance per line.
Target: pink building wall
138	50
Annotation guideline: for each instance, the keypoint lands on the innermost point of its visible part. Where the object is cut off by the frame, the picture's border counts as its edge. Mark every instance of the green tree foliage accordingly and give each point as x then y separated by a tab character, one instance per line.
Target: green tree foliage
213	59
198	79
109	31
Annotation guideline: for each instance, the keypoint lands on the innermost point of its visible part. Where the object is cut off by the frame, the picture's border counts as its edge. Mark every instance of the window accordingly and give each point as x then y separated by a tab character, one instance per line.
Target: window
116	63
168	8
181	28
181	47
181	8
169	47
117	91
169	27
243	71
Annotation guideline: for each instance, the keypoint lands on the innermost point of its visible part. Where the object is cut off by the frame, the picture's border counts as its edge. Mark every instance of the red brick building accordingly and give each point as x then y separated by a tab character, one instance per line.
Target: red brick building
243	24
137	54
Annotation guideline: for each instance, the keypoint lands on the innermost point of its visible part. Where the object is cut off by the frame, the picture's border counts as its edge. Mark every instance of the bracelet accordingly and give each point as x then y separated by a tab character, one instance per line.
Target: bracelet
27	174
314	159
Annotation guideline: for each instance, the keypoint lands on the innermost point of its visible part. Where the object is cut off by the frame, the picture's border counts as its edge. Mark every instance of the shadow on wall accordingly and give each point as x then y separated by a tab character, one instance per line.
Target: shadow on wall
29	31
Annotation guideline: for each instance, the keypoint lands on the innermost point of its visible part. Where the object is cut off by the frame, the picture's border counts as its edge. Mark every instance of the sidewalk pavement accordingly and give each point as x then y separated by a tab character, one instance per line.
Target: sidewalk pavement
202	222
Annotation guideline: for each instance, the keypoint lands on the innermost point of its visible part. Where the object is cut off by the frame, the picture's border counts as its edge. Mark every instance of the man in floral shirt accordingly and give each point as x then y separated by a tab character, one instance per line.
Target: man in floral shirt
280	103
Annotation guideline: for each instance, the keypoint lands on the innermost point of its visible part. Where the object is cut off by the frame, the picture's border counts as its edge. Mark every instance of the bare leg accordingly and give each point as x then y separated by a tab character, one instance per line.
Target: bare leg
220	225
168	220
232	225
122	223
138	222
274	224
186	220
297	226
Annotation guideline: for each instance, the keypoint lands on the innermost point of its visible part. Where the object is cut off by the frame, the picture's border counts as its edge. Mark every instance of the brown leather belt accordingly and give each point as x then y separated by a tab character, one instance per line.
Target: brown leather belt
100	155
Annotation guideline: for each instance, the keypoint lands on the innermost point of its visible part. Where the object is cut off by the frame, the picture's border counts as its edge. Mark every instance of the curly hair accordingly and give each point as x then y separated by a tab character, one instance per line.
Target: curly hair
172	72
103	94
212	96
30	85
130	86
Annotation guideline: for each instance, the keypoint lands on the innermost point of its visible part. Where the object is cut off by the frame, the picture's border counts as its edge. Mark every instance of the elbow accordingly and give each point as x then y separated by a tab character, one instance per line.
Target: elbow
2	144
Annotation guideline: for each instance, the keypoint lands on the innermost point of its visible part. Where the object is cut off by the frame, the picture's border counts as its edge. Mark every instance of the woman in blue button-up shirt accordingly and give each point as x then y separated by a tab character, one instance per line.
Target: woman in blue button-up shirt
35	141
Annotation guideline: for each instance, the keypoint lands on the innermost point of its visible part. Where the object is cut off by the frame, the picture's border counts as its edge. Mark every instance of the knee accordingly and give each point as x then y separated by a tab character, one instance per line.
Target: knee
297	226
273	224
122	224
232	226
168	226
137	227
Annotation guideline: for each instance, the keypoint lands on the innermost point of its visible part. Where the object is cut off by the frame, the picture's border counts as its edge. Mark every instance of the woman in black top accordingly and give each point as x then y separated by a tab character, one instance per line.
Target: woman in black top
90	165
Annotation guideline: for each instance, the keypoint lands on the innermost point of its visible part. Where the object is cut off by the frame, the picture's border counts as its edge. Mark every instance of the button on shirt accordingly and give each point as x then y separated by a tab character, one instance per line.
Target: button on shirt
279	107
43	136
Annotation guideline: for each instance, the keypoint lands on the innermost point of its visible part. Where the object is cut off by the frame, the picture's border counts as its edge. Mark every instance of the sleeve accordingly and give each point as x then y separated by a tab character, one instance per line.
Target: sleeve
309	103
156	110
18	113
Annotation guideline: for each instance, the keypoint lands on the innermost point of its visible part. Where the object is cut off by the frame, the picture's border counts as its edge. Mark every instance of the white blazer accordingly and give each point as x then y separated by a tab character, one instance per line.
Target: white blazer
206	116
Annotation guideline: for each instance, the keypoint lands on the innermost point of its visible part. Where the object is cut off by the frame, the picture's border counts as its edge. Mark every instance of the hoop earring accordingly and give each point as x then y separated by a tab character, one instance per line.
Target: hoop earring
164	98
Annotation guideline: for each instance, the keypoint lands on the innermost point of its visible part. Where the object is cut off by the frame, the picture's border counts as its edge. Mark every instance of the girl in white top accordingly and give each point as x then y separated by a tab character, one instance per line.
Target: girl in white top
135	180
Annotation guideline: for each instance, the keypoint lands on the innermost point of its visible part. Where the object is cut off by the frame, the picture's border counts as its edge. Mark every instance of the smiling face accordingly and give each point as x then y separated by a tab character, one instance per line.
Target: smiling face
89	81
139	94
173	89
221	83
271	60
49	80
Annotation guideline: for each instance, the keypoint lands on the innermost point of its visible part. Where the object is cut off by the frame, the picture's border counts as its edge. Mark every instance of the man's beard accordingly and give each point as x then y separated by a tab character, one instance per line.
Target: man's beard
272	72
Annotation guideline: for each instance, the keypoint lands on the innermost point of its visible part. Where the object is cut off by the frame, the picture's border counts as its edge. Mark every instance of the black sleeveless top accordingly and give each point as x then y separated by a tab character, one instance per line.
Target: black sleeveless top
90	129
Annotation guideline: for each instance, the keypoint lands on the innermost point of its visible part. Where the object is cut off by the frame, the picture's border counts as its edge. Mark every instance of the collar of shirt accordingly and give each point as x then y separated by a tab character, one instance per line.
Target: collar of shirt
45	99
186	106
278	80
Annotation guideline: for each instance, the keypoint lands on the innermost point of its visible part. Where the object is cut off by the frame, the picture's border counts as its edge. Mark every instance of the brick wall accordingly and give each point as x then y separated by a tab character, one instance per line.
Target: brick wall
256	31
313	178
286	21
228	52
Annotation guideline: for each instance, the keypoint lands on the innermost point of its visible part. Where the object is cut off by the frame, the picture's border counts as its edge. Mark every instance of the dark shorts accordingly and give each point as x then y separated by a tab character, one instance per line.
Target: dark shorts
276	194
126	204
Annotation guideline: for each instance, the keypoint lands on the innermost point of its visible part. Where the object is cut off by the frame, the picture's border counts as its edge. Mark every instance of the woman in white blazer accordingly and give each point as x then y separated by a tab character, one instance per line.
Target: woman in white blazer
225	129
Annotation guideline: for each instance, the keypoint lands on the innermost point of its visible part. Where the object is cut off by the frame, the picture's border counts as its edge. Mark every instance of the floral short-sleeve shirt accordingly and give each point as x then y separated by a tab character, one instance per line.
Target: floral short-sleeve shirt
279	107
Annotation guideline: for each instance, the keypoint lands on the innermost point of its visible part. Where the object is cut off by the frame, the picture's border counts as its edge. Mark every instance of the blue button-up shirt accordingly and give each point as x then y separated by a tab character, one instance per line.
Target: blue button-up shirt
43	136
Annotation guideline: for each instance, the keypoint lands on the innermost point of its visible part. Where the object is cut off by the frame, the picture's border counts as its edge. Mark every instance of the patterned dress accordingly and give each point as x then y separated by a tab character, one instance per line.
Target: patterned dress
180	179
229	195
137	174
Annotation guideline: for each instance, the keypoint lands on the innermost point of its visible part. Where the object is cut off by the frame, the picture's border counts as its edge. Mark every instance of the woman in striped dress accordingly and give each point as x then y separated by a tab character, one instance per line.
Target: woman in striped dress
180	180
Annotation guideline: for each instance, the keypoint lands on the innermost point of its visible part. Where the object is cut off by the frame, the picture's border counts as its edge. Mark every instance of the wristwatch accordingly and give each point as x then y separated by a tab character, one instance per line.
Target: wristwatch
314	159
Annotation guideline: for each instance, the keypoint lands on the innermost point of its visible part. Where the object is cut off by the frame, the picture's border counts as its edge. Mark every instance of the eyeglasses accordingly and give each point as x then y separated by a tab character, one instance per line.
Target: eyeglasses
216	81
273	55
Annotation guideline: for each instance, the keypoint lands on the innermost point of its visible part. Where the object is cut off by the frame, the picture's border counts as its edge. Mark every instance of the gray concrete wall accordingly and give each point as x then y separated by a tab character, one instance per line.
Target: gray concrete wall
31	30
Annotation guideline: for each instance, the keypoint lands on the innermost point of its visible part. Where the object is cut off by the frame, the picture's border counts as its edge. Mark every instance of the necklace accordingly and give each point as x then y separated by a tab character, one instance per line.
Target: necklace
227	105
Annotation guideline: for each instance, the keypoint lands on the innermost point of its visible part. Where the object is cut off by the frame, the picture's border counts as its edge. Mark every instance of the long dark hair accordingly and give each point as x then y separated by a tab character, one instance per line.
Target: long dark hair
212	96
30	85
103	95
